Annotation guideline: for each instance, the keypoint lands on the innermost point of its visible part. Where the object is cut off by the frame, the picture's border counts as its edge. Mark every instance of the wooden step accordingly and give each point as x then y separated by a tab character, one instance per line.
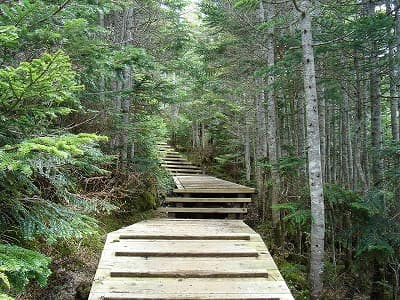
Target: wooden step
208	210
214	191
181	161
190	289
191	236
184	174
200	268
175	159
175	170
161	296
211	200
168	151
179	166
182	248
168	154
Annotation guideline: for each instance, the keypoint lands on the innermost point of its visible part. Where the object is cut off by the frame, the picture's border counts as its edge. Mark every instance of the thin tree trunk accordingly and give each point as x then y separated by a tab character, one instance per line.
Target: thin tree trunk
376	112
358	127
247	148
314	155
125	105
260	144
395	78
272	137
196	136
321	110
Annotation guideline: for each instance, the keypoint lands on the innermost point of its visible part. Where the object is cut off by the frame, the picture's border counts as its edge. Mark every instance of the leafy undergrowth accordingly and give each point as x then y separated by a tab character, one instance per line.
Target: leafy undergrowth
74	264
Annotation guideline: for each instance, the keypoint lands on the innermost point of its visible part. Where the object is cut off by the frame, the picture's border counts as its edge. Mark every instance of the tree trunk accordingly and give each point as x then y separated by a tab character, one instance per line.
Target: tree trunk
314	155
247	148
321	110
125	105
376	112
395	78
272	137
358	128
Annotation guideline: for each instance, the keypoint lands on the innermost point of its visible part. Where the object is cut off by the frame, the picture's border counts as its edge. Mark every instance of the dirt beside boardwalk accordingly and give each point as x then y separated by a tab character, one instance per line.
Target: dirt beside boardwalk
71	278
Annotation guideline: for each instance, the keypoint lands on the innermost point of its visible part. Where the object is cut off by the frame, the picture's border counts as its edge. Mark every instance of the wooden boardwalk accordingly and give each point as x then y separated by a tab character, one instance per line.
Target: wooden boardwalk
187	259
200	196
191	258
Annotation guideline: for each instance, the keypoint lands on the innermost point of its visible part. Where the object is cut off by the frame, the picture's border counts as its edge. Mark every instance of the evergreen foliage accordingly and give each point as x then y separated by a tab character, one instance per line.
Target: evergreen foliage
18	266
73	86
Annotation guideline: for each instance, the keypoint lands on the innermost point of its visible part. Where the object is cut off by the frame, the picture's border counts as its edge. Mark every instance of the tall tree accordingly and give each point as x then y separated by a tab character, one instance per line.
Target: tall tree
314	152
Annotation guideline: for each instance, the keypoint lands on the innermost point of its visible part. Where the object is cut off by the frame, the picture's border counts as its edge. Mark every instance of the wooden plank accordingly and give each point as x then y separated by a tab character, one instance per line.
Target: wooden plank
215	191
181	162
210	210
183	169
191	286
180	166
128	296
185	254
262	261
169	150
186	236
181	245
184	174
177	182
190	274
178	225
185	230
211	200
169	158
186	250
215	268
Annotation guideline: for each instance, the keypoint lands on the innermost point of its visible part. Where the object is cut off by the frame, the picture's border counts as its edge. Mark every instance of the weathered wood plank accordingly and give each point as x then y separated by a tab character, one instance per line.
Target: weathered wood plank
191	286
215	210
189	236
211	200
251	296
201	268
181	162
171	273
183	169
214	191
177	182
179	248
169	158
166	165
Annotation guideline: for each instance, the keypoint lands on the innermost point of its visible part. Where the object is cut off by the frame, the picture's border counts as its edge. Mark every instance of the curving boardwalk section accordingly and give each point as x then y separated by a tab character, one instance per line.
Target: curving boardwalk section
190	258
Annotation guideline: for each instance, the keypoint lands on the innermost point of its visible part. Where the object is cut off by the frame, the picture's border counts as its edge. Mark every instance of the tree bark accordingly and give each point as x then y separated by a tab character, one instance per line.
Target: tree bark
272	136
395	78
358	128
314	154
247	148
376	111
